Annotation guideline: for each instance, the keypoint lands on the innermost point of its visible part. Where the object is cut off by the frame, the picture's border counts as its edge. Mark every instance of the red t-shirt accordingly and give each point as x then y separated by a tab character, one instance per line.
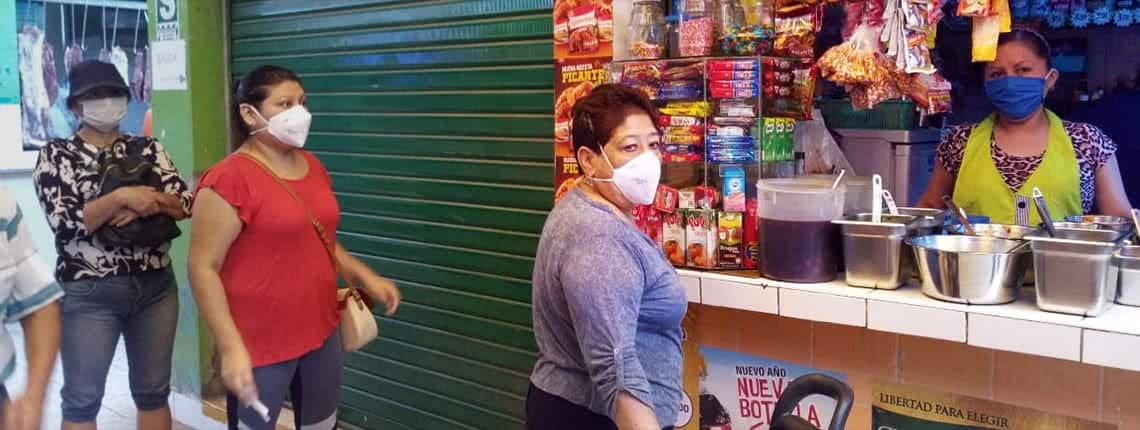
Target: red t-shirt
278	278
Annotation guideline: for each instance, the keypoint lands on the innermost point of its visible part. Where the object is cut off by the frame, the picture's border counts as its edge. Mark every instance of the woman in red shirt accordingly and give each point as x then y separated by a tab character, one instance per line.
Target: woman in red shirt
260	272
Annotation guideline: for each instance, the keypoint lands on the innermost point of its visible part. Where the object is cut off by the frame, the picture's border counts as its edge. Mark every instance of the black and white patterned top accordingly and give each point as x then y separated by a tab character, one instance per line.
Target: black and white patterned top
66	180
1093	149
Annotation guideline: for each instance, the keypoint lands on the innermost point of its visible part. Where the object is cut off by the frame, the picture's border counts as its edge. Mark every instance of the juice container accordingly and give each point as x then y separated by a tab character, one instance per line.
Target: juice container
700	238
673	237
653	225
730	238
751	236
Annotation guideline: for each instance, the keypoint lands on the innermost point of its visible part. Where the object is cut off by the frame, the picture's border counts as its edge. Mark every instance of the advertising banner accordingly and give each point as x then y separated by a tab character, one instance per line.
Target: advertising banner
573	80
904	407
583	28
739	391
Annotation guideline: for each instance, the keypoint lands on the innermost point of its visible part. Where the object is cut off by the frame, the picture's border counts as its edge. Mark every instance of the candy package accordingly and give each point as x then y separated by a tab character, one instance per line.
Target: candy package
733	65
746	41
691	108
683	71
681	90
788	99
736	108
679	121
974	8
695	36
795	33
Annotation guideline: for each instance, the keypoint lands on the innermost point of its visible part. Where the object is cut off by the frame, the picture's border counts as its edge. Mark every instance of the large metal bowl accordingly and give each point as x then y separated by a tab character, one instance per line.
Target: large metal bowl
1001	231
1106	222
970	269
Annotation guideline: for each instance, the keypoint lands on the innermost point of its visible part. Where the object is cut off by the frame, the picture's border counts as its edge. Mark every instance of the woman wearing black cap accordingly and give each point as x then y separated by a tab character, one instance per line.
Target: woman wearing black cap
111	289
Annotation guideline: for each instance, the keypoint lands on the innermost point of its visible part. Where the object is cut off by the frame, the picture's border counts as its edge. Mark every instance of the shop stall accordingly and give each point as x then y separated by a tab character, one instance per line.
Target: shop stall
784	211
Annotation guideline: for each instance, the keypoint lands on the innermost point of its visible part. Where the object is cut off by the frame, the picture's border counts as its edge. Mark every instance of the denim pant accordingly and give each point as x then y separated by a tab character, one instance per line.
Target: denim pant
143	308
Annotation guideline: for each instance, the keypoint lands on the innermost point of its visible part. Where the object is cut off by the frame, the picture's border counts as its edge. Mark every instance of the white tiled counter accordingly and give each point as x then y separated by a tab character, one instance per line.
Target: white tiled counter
1111	339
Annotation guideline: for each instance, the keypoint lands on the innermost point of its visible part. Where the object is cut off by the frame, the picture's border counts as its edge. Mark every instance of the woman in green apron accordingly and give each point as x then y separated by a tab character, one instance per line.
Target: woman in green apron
991	167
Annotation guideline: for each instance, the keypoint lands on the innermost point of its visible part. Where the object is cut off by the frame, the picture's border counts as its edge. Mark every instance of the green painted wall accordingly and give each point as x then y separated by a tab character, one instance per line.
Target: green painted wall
435	121
192	126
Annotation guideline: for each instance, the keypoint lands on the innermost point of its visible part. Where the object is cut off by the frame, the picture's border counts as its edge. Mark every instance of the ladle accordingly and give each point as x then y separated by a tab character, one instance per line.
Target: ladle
1043	211
960	214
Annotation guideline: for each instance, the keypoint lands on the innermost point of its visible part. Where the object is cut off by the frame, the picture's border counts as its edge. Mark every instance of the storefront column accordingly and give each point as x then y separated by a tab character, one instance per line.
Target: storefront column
192	124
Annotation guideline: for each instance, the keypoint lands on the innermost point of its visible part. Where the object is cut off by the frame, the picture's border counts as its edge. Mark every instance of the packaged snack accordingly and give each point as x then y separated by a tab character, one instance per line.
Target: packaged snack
666	199
746	41
751	244
687	198
730	237
692	154
691	108
733	65
974	8
681	90
737	84
729	130
583	29
684	139
733	189
736	108
730	155
683	71
733	93
792	100
732	75
707	197
641	71
673	237
679	121
700	238
696	37
795	34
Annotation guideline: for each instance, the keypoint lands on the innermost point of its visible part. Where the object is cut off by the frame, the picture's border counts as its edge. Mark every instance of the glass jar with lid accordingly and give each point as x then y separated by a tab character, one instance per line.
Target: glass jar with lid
647	30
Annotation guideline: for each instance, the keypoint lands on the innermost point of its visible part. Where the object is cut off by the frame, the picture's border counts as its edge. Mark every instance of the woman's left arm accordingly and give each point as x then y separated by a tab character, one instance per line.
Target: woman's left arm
1111	197
176	196
360	275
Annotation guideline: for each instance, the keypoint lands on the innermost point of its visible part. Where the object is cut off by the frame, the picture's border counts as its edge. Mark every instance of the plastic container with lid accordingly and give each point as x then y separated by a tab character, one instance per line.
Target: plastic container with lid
647	35
858	197
798	242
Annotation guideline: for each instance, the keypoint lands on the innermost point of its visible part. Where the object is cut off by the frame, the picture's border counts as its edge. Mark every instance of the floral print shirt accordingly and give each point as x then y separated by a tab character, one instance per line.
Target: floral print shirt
66	178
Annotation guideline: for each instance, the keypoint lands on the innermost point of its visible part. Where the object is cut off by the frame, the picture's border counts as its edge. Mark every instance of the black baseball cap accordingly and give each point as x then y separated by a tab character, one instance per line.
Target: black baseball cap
92	74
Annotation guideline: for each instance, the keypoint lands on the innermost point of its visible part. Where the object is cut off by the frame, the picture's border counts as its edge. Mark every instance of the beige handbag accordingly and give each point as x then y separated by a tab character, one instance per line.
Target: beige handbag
357	324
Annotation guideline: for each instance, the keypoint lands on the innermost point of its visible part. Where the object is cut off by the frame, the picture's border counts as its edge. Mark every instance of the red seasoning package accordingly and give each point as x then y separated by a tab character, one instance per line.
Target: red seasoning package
666	200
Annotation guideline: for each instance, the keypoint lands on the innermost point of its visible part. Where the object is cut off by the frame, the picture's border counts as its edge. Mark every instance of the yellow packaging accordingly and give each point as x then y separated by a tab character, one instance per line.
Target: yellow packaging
985	38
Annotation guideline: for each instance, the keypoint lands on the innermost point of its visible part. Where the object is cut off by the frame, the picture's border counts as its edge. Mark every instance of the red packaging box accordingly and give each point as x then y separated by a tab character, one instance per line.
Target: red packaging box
667	199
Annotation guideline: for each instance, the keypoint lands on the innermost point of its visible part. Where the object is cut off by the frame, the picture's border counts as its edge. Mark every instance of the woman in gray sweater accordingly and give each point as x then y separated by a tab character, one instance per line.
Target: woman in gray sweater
607	304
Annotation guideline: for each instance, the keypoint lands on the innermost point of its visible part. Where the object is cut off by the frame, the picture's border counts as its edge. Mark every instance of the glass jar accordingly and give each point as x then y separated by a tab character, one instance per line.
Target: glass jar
695	29
647	31
730	17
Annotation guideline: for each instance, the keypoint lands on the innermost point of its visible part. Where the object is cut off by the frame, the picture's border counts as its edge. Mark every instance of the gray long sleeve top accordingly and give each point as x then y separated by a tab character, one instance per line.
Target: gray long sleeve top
607	312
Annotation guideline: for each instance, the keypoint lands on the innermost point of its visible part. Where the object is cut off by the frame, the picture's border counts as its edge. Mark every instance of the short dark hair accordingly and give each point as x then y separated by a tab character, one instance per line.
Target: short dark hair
253	89
1036	42
596	116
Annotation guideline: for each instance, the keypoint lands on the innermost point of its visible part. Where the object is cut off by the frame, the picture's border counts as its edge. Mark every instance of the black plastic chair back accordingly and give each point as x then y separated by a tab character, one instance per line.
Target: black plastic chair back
784	417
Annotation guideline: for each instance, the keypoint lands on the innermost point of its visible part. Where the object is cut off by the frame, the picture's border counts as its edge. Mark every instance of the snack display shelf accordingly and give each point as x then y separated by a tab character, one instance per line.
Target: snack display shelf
1111	339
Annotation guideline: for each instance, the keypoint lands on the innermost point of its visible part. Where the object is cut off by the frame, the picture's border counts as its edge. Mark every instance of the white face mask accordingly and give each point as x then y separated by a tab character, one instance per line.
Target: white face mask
291	127
637	180
104	114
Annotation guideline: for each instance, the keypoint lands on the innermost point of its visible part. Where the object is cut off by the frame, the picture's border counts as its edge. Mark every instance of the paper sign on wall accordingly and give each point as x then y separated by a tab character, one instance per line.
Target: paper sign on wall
168	63
740	391
167	25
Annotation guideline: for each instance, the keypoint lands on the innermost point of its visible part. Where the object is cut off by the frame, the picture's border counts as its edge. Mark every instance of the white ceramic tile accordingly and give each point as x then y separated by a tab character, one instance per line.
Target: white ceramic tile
912	295
1117	319
737	295
1117	350
823	307
1023	336
916	320
833	288
691	282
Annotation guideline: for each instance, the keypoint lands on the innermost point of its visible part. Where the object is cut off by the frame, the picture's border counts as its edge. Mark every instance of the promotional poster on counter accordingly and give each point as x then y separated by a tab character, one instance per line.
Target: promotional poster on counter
905	407
739	391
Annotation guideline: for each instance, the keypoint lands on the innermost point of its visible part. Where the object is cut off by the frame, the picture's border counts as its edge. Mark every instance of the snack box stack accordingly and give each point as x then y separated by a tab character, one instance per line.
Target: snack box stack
734	85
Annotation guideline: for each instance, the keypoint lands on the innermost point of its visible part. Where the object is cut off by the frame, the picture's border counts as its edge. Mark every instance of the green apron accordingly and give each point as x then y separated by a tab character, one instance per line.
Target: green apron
981	190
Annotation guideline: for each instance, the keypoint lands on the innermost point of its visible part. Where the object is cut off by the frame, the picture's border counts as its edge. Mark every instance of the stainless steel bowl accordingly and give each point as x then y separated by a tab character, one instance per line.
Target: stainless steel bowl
1107	222
873	251
1068	225
934	219
975	270
1001	231
1127	261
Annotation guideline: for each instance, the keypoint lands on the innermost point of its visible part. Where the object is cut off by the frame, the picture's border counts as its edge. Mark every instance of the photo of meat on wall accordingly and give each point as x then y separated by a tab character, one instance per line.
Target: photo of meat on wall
53	36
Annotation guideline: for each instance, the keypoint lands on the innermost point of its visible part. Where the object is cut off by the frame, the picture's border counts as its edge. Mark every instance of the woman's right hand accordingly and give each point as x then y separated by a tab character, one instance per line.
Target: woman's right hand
142	200
237	374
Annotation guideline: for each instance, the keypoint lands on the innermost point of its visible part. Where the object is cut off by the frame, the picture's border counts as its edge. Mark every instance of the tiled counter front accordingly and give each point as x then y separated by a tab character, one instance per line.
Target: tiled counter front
1083	367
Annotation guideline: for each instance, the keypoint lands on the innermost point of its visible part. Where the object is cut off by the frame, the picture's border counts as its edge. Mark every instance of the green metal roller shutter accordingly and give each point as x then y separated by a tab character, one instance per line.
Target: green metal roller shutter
434	119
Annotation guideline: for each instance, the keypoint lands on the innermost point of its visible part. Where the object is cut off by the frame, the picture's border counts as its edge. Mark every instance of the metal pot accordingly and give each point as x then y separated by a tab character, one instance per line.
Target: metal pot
873	251
1127	261
1001	231
1075	274
970	269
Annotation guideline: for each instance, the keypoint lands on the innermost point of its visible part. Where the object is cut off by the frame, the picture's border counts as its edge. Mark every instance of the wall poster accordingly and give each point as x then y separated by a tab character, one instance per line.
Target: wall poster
906	407
49	39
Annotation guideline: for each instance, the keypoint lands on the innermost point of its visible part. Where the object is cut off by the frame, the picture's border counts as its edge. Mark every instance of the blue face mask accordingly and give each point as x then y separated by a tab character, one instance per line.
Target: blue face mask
1016	97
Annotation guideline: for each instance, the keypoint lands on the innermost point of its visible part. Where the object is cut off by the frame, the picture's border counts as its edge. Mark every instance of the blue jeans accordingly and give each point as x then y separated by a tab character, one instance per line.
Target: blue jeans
143	309
312	382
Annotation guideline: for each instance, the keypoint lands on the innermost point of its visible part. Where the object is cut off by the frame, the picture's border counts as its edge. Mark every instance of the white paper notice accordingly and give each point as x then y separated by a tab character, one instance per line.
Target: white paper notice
168	63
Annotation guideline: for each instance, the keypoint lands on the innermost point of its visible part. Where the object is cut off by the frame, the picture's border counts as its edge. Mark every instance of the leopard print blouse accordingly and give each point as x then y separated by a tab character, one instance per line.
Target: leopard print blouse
1093	148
